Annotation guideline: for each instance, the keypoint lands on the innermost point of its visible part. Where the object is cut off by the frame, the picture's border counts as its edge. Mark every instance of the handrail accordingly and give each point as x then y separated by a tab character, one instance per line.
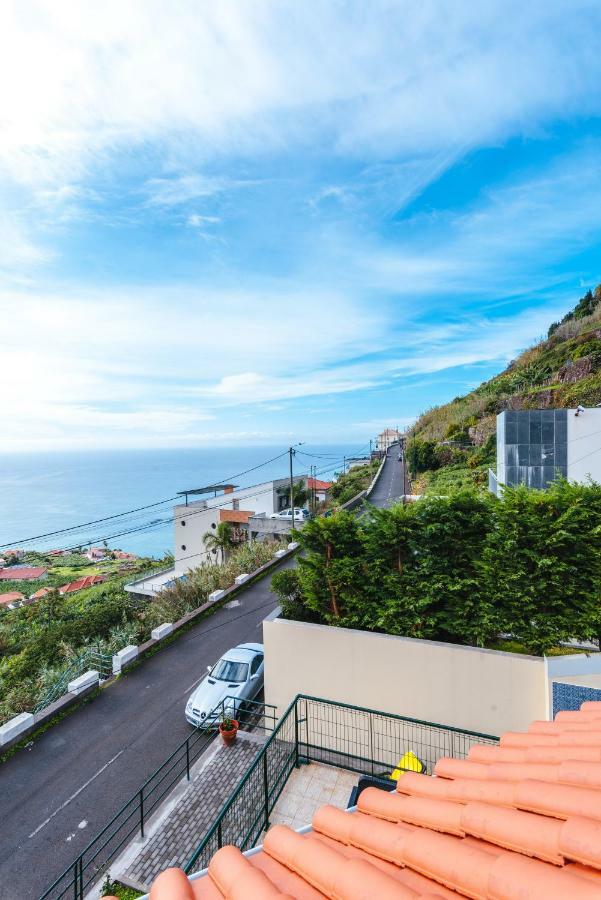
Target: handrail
233	796
141	804
389	715
269	801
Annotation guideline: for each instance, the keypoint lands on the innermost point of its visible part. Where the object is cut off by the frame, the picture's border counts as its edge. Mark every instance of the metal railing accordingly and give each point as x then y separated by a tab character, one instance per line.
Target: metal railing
91	659
93	862
317	730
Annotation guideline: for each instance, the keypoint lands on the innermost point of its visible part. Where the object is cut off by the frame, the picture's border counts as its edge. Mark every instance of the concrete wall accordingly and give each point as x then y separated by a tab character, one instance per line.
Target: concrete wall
479	690
584	445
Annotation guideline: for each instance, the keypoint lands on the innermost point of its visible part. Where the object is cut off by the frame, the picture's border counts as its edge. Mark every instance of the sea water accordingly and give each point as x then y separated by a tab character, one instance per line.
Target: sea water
40	493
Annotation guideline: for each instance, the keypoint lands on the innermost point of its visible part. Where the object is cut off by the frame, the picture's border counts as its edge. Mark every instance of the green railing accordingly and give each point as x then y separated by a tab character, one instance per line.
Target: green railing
93	862
91	659
316	730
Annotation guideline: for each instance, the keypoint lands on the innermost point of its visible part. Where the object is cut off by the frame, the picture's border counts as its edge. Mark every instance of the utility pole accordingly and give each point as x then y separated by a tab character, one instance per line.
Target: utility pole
291	452
370	443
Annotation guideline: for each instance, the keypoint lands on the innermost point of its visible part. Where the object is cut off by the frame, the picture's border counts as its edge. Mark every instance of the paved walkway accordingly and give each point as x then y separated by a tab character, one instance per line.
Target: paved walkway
174	836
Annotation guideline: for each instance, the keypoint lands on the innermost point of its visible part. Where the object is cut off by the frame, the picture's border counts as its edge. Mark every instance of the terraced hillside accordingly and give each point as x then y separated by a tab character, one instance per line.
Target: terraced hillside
453	445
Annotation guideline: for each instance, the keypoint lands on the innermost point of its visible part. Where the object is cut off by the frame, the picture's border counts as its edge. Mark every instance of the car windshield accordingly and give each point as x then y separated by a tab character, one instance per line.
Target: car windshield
228	670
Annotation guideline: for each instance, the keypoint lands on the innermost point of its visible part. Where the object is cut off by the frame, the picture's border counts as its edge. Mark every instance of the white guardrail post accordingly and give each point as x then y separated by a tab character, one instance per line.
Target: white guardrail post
122	657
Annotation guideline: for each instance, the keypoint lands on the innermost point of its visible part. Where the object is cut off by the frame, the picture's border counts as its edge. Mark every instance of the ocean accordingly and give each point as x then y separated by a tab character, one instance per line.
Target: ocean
41	493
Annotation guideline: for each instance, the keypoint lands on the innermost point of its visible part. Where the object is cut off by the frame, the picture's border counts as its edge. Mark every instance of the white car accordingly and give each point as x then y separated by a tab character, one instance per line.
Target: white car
238	674
300	514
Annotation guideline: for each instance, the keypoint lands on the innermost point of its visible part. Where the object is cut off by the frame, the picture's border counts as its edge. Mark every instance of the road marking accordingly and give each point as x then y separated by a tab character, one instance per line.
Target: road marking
76	794
194	683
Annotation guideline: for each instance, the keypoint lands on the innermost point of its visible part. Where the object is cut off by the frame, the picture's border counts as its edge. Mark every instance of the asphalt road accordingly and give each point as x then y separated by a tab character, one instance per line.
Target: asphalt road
57	794
390	483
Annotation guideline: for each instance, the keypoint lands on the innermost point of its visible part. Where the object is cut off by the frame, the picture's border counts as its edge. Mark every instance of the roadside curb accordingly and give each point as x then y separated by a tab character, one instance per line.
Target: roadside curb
69	702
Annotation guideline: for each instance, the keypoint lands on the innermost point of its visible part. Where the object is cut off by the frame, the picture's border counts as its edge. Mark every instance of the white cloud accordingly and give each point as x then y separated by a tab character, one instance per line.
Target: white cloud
182	189
241	78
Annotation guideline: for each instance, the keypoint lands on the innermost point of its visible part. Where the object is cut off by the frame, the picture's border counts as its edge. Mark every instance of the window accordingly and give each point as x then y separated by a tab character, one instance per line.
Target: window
255	664
183	546
227	670
183	521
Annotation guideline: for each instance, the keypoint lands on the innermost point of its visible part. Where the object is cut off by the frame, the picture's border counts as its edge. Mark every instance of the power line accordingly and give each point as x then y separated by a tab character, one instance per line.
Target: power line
128	512
38	537
150	526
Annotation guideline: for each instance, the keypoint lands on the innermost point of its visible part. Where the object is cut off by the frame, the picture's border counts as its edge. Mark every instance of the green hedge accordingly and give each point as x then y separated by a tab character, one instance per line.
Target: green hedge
464	568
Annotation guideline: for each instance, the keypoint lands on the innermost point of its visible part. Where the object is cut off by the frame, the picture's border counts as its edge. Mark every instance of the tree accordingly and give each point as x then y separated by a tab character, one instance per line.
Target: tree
421	456
544	563
220	541
330	569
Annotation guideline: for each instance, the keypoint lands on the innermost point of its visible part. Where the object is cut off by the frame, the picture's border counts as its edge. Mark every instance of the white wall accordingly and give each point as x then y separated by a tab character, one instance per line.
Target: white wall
479	690
203	516
584	445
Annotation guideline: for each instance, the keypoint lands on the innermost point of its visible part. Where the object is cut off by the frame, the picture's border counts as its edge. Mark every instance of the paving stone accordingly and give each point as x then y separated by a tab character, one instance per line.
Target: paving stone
184	828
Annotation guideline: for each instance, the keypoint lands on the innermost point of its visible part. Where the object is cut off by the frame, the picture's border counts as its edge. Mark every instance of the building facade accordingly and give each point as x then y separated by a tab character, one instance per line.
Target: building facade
534	447
193	520
386	438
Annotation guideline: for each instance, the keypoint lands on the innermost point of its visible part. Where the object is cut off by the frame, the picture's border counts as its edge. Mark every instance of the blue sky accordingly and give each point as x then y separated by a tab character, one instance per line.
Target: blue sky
254	222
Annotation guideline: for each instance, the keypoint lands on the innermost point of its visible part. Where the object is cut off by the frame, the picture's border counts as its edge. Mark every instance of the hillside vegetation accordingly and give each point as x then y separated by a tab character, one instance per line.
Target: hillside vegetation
452	446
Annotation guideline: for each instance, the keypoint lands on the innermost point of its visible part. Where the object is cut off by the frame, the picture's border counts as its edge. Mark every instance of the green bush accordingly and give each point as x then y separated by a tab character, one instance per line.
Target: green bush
464	568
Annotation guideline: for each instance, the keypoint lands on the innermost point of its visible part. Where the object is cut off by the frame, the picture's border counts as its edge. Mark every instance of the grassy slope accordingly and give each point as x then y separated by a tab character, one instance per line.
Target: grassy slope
64	569
561	371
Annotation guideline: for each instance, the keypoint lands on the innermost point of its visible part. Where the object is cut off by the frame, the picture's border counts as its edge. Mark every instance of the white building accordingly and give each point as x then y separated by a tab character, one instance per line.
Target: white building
386	438
193	519
538	445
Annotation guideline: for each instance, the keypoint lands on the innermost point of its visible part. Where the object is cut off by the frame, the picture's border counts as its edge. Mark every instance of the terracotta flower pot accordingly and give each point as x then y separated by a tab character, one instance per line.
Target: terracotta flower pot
229	736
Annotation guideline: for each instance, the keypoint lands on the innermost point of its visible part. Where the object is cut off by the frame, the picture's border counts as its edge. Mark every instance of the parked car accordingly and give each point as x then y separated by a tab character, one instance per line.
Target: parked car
238	674
301	513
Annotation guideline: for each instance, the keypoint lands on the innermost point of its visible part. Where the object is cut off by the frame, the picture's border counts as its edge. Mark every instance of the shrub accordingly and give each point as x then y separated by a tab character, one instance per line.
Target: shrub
463	568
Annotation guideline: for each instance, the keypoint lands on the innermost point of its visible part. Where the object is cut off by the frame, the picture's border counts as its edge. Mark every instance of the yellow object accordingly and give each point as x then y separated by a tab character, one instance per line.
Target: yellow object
409	762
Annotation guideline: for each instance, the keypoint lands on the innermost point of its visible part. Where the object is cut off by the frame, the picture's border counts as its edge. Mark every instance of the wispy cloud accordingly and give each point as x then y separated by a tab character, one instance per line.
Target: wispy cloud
210	211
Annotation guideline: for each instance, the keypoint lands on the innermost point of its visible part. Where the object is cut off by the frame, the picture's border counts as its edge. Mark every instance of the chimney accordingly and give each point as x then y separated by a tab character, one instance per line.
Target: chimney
228	489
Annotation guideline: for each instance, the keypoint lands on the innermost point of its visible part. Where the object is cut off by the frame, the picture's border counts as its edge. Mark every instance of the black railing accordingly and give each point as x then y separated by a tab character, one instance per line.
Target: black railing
316	730
132	818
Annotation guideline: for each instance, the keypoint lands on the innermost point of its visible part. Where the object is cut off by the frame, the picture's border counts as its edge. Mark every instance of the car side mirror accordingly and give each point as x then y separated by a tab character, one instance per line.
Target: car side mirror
252	677
208	668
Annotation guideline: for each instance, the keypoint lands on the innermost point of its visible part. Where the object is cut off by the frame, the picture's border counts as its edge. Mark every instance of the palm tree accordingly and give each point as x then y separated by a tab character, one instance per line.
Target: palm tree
219	541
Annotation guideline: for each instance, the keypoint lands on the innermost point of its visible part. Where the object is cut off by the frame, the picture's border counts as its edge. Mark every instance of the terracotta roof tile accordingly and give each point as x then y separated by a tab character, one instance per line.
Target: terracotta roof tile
521	821
80	583
22	573
235	515
11	597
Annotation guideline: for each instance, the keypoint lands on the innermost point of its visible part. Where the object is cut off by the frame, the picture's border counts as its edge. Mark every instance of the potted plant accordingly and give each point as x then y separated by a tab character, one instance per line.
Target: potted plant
228	728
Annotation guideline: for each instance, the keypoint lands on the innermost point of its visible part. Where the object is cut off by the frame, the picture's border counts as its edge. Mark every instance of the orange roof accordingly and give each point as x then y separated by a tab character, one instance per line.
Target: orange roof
235	515
22	573
315	483
80	583
11	597
41	593
518	820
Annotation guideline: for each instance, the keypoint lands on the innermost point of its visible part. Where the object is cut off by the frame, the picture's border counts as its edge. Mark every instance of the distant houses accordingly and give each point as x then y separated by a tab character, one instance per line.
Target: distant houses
80	583
23	573
386	438
321	489
96	553
10	599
